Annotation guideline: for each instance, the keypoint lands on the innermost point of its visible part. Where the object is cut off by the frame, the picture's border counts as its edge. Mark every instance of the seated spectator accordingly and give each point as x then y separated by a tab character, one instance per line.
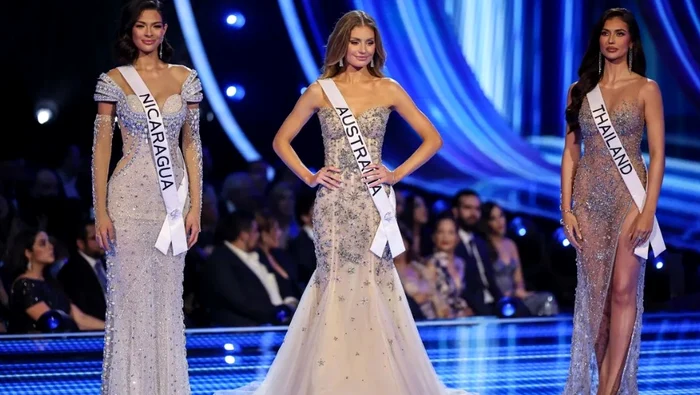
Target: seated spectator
417	282
84	276
238	288
450	271
34	297
415	218
302	248
506	264
276	258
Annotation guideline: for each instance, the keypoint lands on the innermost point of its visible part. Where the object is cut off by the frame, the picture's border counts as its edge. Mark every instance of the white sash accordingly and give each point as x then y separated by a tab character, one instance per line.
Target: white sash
624	166
173	229
388	231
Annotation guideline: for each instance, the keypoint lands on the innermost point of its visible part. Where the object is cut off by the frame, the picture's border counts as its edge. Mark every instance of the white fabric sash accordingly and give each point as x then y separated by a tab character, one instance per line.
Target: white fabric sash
624	166
173	229
388	231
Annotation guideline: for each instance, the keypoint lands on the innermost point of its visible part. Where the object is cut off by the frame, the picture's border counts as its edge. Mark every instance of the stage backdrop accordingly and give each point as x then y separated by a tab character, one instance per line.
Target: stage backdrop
492	76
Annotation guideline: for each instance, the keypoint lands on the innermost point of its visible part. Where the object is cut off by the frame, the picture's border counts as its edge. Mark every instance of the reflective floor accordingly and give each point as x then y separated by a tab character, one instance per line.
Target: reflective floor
484	355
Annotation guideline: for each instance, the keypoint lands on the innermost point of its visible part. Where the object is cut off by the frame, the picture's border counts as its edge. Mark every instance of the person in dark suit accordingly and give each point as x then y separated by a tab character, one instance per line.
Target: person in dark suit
301	248
240	288
481	293
84	277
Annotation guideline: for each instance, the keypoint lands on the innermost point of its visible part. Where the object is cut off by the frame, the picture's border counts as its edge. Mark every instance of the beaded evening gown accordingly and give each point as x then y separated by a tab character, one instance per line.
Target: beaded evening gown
601	203
144	336
353	332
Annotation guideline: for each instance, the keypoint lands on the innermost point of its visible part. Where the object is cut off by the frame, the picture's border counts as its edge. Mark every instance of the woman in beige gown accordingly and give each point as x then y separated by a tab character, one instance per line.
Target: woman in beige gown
353	332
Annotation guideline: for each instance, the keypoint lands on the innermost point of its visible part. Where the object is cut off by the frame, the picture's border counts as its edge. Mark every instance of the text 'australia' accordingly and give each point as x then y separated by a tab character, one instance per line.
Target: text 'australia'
357	143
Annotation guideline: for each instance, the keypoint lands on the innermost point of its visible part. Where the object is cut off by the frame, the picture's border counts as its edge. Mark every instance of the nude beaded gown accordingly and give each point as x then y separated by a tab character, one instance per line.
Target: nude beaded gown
601	204
353	332
145	333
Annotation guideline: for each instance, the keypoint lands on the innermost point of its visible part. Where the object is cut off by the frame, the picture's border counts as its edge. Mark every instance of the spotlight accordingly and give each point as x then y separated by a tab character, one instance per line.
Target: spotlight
518	225
659	264
229	347
236	20
235	92
506	307
46	111
43	115
230	359
560	236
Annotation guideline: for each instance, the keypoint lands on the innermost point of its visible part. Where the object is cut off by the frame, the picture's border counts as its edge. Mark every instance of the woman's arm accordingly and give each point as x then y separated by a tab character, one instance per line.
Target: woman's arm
518	278
654	118
404	105
85	322
569	163
101	152
305	107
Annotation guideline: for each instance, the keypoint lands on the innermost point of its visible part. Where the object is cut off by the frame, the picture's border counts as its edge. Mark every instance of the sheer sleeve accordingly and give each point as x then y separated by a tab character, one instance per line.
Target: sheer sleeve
106	94
191	142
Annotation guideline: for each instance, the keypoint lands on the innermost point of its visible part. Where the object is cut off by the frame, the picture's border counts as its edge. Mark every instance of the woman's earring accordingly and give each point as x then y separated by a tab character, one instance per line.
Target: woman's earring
629	59
340	63
160	52
600	63
371	63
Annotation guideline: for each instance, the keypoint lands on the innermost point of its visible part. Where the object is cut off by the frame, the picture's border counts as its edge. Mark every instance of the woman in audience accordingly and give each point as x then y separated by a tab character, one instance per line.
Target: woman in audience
417	279
415	218
36	300
449	268
271	251
506	263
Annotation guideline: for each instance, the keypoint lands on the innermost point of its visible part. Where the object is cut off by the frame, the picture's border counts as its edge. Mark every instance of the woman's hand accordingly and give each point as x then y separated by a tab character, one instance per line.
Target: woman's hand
328	177
104	234
375	175
641	229
572	229
192	228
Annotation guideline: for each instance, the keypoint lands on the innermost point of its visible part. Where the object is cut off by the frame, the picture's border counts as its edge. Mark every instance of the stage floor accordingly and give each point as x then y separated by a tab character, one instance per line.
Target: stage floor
485	355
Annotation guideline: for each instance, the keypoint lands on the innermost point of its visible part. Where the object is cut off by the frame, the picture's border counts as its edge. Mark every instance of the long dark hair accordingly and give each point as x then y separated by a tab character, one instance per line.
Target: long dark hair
484	229
16	259
588	71
125	48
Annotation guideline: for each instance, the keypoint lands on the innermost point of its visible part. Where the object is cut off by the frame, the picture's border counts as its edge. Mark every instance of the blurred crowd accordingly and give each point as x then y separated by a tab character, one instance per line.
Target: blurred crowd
255	254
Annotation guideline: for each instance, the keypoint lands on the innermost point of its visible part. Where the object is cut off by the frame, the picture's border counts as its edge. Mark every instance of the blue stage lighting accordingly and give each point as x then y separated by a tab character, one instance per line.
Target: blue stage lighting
518	225
560	236
235	92
302	90
236	20
506	307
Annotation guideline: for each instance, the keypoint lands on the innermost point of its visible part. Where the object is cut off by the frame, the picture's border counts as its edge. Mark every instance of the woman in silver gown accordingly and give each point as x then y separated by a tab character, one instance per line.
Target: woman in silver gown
352	332
144	336
599	214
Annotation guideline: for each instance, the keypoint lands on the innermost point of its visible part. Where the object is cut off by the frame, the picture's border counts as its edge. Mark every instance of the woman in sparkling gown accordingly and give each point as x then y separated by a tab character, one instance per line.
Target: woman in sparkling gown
598	212
144	337
353	332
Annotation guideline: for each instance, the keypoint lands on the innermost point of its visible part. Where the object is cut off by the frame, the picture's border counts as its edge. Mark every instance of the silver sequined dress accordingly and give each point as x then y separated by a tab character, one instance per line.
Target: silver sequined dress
144	337
601	202
353	332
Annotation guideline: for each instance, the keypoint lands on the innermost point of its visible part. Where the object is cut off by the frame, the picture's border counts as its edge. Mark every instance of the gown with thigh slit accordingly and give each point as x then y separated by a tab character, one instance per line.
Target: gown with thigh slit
353	332
144	350
601	203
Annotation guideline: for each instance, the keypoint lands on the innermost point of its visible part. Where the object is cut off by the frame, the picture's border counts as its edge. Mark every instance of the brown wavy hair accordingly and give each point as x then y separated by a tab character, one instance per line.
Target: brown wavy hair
337	45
